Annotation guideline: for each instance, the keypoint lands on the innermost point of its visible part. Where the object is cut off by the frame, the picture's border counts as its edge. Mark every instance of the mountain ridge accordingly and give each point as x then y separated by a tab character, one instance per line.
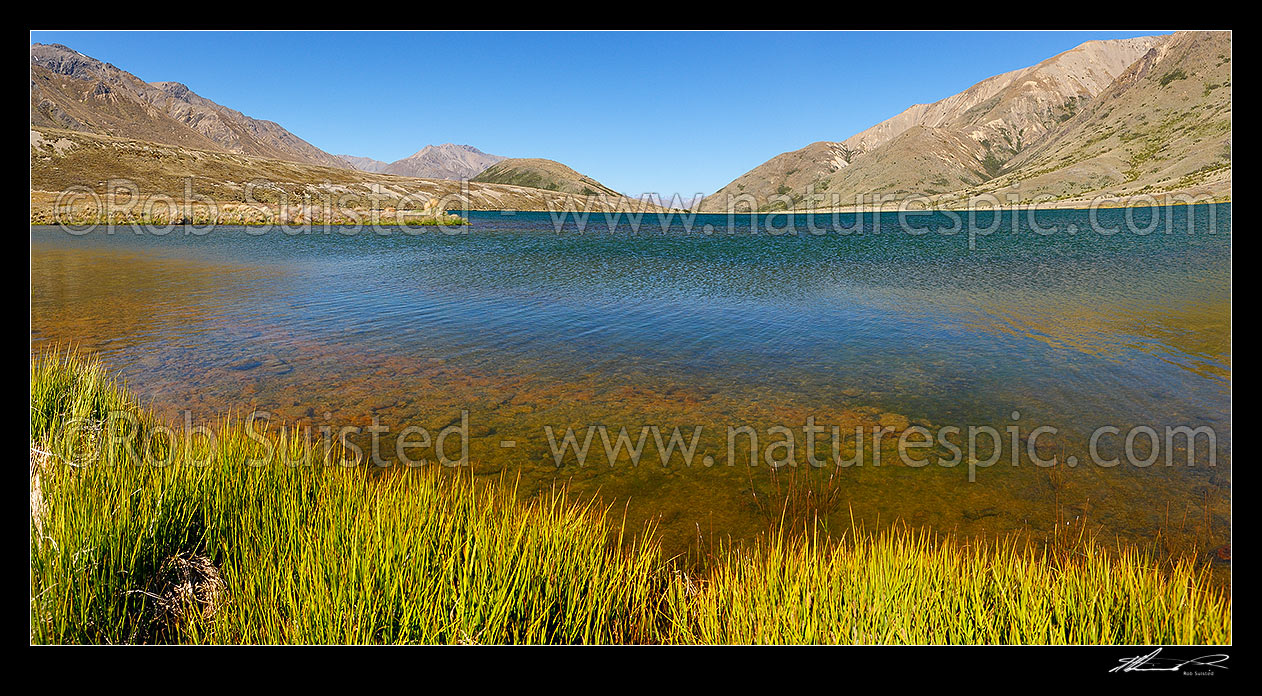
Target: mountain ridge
74	91
1118	117
1163	124
77	92
961	143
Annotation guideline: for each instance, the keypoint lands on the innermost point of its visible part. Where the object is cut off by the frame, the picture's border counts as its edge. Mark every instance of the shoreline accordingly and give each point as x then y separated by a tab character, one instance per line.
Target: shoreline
42	214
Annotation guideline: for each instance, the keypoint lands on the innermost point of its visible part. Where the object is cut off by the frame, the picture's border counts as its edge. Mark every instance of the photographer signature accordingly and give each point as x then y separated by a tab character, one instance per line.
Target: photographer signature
1152	663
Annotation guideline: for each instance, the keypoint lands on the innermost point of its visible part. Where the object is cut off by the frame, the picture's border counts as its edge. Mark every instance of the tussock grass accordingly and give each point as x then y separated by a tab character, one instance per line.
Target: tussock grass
210	548
904	586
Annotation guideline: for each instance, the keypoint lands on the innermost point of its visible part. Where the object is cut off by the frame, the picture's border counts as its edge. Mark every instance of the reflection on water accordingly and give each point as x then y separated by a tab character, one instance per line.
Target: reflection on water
527	328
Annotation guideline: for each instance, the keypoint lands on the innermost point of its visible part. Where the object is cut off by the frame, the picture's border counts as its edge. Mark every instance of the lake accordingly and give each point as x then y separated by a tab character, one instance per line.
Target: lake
862	322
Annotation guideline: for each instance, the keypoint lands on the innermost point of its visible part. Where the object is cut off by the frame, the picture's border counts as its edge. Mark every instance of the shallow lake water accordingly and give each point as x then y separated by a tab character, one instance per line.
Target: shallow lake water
531	331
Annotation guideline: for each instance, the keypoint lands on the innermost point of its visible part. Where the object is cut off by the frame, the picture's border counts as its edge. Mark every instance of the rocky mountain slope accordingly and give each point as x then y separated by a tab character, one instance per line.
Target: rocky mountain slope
994	134
543	174
1019	105
1164	124
72	91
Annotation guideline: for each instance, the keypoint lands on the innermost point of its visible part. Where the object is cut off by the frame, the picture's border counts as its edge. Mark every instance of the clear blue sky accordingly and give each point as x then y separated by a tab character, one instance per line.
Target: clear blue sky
660	112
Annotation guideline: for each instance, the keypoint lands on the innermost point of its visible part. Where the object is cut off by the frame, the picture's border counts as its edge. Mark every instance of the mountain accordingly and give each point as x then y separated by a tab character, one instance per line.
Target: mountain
543	174
364	164
65	160
1164	124
159	133
999	130
446	161
72	91
1021	105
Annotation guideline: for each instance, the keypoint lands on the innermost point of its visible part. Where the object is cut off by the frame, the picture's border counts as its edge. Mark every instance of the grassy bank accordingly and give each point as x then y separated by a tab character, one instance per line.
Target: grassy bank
204	544
227	213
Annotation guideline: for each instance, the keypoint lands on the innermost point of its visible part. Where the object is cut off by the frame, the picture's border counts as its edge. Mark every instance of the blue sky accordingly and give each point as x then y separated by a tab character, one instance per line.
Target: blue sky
661	112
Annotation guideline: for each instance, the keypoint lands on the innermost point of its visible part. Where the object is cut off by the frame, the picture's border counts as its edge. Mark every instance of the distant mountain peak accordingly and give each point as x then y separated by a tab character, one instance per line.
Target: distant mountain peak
445	161
445	149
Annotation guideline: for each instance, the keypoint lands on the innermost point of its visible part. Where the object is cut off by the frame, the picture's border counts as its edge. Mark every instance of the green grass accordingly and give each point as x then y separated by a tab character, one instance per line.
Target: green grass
210	548
1176	74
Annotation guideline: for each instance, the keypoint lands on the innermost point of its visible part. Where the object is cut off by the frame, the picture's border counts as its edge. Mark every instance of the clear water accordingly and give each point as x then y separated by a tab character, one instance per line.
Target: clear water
526	327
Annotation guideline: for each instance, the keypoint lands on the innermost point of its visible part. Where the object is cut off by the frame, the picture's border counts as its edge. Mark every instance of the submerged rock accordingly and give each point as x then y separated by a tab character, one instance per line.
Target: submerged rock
974	515
896	421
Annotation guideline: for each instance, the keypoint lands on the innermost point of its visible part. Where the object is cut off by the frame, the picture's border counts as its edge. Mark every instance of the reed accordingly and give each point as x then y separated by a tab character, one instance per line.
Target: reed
906	586
141	536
